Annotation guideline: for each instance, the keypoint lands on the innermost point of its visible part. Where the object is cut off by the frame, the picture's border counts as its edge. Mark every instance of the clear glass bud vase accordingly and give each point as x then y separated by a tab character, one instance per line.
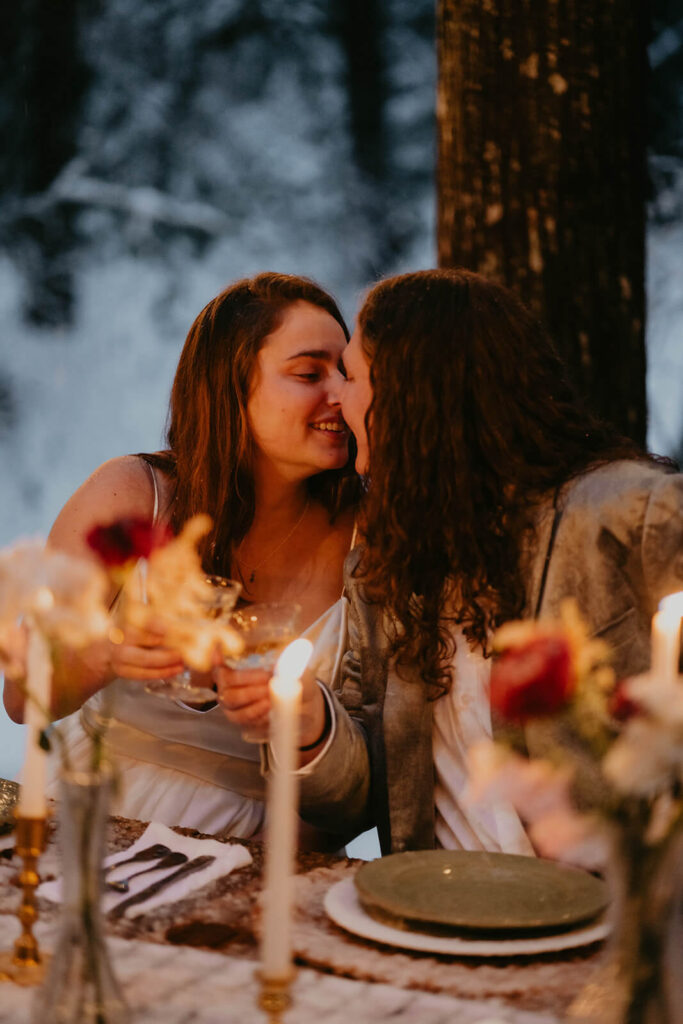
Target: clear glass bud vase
80	985
642	982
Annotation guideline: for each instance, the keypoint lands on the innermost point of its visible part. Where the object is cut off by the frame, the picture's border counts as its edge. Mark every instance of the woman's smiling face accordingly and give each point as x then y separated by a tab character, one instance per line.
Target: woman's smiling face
293	405
356	395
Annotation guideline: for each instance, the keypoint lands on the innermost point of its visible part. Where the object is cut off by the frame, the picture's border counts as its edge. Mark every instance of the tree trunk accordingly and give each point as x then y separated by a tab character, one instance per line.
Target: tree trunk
541	175
48	80
359	26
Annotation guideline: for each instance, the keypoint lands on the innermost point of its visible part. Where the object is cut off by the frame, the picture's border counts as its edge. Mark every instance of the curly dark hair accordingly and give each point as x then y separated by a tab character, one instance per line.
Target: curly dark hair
473	421
210	448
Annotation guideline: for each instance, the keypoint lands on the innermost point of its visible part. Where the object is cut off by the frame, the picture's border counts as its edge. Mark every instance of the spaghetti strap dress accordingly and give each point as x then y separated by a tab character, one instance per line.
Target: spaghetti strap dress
182	766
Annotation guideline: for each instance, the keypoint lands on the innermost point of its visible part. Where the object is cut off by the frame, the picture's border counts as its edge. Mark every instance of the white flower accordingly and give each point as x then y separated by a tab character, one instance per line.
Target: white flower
661	700
65	596
645	759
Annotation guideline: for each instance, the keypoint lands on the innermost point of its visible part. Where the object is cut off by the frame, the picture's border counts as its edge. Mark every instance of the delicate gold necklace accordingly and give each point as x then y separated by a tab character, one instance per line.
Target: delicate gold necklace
253	568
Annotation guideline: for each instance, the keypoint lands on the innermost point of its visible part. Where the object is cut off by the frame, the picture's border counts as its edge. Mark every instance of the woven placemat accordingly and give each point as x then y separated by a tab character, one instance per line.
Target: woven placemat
549	982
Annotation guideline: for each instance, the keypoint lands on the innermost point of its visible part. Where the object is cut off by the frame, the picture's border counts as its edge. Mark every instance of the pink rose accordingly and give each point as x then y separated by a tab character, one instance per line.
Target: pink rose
533	679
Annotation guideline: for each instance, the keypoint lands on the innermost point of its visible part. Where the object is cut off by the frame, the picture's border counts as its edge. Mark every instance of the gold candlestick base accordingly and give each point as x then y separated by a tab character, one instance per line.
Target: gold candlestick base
26	965
275	997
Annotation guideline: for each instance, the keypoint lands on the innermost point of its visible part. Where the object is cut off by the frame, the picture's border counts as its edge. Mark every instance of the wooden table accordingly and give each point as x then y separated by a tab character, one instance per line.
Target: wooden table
193	961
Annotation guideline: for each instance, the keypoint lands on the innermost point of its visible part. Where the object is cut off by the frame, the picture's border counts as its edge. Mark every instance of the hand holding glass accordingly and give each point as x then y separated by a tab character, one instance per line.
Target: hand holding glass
266	629
218	603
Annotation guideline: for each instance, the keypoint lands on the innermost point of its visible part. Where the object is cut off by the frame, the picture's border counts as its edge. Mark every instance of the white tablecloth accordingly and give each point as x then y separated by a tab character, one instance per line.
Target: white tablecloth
180	985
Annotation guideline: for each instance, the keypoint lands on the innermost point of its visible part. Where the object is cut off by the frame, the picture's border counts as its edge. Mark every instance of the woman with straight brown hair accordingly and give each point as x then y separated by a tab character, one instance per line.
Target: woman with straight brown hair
255	440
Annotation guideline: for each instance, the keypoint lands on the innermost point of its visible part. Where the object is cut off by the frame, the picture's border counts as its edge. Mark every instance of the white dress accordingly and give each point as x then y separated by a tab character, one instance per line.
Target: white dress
181	766
185	767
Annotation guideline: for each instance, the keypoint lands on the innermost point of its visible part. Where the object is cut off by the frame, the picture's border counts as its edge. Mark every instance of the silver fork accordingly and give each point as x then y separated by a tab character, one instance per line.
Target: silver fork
171	860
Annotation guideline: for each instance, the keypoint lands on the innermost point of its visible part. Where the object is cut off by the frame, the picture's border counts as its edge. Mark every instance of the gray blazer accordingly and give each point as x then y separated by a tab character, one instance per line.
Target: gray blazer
613	540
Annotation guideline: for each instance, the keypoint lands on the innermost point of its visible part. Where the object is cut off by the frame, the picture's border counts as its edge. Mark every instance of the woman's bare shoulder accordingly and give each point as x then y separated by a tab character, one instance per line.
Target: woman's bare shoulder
119	487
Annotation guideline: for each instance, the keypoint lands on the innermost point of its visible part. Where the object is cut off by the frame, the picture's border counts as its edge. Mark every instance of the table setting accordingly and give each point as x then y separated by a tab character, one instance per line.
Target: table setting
110	920
160	867
224	918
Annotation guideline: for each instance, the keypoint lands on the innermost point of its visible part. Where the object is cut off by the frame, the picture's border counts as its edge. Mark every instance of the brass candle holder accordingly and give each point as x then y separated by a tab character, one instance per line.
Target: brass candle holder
26	965
275	997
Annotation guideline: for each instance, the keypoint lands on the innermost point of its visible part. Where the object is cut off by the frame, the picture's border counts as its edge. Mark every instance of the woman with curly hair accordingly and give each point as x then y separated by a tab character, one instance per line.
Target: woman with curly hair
492	494
256	440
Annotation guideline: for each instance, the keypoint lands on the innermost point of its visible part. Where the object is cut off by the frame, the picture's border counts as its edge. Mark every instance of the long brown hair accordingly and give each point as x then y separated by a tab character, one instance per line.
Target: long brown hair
210	448
472	422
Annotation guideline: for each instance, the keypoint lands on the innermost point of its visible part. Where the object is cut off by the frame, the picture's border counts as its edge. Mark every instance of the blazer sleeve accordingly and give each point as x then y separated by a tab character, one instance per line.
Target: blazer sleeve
662	539
335	794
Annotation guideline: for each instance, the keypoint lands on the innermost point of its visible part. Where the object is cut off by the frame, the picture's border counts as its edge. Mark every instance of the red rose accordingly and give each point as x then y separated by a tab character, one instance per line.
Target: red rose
537	678
620	705
127	539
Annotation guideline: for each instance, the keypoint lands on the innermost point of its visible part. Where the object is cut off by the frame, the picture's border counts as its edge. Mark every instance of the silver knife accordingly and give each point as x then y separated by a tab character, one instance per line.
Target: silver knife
140	897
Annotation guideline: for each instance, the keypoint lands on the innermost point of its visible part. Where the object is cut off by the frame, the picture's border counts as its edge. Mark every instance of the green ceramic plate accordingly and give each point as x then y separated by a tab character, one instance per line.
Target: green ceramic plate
9	796
482	891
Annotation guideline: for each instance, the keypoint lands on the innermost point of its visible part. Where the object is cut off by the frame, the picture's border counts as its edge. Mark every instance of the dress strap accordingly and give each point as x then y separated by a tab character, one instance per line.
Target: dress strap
155	485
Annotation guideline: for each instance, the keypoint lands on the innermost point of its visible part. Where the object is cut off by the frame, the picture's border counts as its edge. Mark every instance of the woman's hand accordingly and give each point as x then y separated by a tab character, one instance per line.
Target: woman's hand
142	655
13	648
245	697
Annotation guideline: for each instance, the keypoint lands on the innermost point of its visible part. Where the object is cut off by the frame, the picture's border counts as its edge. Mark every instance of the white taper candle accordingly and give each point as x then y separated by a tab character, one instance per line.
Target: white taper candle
282	810
32	803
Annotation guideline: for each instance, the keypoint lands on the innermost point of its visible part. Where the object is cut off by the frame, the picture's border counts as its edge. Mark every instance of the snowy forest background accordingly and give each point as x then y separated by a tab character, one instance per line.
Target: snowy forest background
156	152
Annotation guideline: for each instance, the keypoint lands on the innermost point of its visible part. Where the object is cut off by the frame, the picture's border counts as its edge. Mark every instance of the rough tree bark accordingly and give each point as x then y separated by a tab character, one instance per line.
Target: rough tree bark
541	175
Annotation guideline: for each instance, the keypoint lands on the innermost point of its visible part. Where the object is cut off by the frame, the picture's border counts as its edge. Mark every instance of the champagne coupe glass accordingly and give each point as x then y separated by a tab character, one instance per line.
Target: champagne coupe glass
266	629
218	603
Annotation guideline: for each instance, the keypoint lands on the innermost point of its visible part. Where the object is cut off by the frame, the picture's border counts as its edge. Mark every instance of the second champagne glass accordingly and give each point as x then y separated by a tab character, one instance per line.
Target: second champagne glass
265	629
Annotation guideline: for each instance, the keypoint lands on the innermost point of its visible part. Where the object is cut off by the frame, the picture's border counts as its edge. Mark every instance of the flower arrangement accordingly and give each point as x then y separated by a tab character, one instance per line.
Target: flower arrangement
65	602
51	601
614	748
62	596
607	792
170	589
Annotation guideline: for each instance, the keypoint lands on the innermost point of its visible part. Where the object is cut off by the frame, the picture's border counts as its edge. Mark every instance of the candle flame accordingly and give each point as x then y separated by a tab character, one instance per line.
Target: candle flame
294	659
672	607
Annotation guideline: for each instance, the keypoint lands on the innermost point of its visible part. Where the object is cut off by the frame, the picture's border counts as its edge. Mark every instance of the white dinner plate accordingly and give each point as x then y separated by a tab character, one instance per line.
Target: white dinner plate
343	907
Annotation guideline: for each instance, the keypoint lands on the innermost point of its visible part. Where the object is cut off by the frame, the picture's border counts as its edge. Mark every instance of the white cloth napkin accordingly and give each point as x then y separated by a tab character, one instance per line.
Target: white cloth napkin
229	856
